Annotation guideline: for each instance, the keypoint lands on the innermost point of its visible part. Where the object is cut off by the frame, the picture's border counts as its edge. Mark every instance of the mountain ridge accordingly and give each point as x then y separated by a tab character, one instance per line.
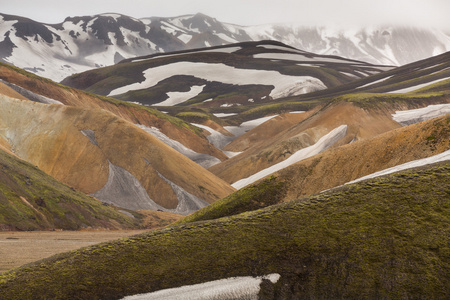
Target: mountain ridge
81	43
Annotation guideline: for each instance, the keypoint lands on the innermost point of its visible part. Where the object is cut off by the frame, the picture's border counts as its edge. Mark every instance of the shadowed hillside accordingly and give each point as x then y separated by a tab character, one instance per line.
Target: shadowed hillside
381	238
32	200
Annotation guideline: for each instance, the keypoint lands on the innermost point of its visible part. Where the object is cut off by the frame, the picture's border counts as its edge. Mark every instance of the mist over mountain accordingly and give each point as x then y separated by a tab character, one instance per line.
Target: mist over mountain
82	43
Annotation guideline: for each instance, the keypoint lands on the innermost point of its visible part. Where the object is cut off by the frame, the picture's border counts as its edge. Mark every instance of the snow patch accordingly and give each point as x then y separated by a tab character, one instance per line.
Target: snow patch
202	159
185	38
284	85
216	138
408	117
412	164
223	115
300	57
124	190
179	97
244	287
187	203
416	87
375	82
30	95
237	131
324	143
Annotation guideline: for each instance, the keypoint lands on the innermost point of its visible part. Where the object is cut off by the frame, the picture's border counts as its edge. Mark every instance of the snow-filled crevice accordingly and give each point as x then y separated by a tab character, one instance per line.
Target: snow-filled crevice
124	190
187	203
205	160
244	287
408	117
412	164
322	144
30	95
90	134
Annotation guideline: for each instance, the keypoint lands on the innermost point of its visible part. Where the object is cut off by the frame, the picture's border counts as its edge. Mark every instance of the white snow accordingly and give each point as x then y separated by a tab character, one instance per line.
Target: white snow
4	27
412	164
300	57
179	97
322	144
237	131
297	112
244	287
375	82
185	38
416	87
407	117
284	85
276	47
205	160
223	50
226	38
231	154
223	115
216	138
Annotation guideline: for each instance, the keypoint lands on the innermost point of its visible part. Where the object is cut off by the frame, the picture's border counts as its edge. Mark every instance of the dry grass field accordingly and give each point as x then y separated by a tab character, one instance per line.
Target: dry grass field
19	248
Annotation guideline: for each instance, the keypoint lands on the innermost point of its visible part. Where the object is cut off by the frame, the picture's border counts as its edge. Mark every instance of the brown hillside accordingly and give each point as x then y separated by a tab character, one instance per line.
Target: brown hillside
84	147
349	162
133	113
361	124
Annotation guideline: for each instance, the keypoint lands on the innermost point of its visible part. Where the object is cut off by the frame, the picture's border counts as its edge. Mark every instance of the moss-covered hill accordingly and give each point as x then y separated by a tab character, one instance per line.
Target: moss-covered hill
32	200
385	238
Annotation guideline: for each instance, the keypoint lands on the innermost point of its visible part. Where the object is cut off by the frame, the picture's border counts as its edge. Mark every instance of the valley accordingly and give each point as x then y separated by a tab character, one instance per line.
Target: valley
176	154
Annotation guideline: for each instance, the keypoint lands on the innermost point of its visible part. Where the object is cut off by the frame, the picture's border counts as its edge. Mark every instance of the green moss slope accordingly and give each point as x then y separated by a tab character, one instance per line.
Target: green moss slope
32	200
385	238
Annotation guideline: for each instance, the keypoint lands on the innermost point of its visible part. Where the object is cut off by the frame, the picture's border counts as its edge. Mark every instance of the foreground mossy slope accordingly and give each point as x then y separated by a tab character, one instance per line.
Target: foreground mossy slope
33	200
385	238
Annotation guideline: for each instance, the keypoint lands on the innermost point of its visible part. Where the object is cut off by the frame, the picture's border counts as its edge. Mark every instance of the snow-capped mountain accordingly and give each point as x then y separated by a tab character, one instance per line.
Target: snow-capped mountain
238	74
82	43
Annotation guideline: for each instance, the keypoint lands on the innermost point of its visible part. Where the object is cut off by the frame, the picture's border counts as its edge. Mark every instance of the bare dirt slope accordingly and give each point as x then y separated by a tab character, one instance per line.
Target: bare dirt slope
95	151
173	128
348	162
361	124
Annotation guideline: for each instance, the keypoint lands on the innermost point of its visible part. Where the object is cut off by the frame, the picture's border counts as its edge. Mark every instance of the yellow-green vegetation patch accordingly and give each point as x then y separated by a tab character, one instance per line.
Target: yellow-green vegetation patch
385	238
32	200
268	192
377	100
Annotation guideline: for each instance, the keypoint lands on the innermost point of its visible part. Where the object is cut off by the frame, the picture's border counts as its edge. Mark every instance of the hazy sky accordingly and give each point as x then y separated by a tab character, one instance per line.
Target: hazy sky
247	12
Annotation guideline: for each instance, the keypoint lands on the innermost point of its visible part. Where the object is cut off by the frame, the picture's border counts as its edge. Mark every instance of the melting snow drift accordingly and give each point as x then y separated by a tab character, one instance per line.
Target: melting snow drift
412	164
324	143
231	288
408	117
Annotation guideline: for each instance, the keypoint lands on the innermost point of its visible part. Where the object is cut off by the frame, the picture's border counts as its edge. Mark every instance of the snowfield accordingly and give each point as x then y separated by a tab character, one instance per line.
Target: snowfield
408	117
245	287
284	85
322	144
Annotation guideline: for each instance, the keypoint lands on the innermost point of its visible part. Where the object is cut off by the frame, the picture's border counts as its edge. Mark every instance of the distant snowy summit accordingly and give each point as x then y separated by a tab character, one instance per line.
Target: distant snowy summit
82	43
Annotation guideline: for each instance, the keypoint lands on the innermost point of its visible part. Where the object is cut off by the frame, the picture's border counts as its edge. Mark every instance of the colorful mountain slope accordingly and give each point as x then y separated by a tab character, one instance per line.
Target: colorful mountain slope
43	90
335	167
33	200
86	42
382	238
101	154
